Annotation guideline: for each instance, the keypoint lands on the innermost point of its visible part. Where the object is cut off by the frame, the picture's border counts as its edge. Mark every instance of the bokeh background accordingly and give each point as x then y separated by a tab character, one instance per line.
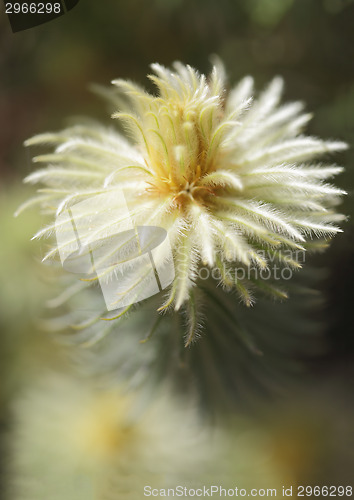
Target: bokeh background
45	73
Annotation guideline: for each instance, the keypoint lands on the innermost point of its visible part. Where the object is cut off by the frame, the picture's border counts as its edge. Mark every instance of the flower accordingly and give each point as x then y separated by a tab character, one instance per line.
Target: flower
232	180
72	440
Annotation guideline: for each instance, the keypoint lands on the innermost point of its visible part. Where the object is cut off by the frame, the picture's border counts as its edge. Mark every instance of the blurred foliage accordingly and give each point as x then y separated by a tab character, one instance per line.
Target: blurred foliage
24	349
44	78
23	294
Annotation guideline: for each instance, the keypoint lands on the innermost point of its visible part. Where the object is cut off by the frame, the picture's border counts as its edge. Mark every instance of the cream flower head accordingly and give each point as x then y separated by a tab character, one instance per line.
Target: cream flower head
72	441
230	178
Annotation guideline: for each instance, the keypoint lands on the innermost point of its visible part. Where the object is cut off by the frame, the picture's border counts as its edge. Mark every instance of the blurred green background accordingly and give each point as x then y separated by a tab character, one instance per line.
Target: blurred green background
45	73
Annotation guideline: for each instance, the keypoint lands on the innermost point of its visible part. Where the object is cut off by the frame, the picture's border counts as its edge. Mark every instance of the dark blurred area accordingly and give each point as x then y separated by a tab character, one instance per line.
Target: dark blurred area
45	73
